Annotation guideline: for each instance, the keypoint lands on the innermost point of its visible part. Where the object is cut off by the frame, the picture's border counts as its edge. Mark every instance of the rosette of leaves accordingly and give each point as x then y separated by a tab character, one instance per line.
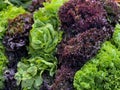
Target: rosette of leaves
18	32
101	72
44	39
77	16
45	34
30	71
46	28
9	13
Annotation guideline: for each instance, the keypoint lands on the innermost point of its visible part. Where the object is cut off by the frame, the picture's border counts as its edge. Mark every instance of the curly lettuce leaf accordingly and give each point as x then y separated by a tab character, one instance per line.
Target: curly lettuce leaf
9	13
102	72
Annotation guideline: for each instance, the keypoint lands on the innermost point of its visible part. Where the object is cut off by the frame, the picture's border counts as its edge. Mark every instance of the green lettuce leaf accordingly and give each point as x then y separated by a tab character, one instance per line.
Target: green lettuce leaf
32	69
3	61
44	38
23	3
3	5
102	72
49	13
45	33
116	36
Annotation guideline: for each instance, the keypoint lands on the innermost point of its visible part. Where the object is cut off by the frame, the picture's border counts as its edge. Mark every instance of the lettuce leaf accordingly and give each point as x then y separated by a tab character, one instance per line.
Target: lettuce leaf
3	61
32	69
23	3
116	36
49	13
44	38
45	34
101	72
9	13
3	5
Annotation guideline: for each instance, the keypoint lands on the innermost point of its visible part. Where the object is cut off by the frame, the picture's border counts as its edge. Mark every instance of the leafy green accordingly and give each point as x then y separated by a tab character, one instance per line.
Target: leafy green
9	13
30	71
3	5
44	38
116	36
49	13
45	34
23	3
3	61
102	72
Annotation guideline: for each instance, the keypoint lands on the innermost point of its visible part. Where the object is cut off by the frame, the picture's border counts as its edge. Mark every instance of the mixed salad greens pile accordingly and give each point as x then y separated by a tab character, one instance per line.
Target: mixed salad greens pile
59	45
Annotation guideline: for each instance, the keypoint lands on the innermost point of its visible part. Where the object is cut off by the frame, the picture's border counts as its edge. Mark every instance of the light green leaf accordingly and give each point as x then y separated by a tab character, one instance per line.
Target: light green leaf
32	70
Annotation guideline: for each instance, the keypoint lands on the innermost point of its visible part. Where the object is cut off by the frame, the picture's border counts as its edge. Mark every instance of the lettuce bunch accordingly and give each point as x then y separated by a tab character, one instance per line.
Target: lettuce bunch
49	13
9	13
30	71
102	72
44	38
